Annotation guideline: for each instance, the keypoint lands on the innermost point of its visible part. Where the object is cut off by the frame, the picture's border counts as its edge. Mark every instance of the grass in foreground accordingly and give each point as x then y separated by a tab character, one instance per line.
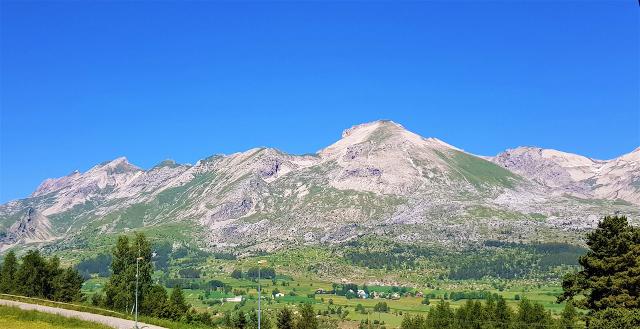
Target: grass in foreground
95	310
15	318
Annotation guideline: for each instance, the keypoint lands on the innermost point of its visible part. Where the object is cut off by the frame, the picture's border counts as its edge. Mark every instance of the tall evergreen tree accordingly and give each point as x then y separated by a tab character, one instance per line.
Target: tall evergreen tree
8	274
503	315
413	322
568	317
265	323
120	290
32	278
155	302
441	316
177	302
307	319
240	320
609	278
67	286
285	319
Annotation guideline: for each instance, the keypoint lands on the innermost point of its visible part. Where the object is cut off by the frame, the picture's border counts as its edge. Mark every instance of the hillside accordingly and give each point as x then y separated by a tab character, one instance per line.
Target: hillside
379	180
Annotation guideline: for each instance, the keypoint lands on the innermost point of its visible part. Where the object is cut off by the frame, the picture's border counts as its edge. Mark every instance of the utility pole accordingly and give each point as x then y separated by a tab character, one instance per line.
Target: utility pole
137	274
259	297
260	262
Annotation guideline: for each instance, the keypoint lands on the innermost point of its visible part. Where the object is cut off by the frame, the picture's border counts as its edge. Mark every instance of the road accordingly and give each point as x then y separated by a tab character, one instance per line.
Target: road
106	320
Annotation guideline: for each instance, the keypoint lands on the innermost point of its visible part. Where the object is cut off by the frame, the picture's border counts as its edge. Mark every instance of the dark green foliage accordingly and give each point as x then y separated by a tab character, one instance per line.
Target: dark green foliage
155	302
532	314
177	304
611	268
456	296
347	289
494	314
100	265
615	318
161	257
189	272
153	299
236	274
307	318
514	260
265	273
239	320
265	323
497	259
502	314
441	316
381	307
97	300
568	317
66	286
32	277
120	290
285	319
8	273
39	277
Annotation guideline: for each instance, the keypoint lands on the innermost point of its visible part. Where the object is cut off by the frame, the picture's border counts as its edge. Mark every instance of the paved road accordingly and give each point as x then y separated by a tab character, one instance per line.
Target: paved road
106	320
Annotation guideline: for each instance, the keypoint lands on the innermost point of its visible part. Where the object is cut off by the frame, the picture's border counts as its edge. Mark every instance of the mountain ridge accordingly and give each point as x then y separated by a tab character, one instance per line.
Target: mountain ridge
379	178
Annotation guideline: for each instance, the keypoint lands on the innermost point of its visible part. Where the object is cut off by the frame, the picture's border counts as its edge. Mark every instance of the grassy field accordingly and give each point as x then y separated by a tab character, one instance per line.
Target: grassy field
301	288
301	271
15	318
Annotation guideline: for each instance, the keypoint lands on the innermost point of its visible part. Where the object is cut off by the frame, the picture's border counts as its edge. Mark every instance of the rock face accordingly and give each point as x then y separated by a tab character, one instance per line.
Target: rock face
32	227
378	179
577	175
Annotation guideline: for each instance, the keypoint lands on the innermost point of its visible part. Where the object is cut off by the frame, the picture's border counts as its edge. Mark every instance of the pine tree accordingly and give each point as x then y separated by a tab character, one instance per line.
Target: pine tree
8	274
177	305
53	271
441	316
240	320
32	279
568	317
609	278
120	290
307	319
503	315
285	319
66	285
155	302
265	323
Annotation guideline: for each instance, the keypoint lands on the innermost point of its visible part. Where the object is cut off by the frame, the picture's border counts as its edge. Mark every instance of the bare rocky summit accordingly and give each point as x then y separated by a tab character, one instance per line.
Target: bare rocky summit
562	172
378	179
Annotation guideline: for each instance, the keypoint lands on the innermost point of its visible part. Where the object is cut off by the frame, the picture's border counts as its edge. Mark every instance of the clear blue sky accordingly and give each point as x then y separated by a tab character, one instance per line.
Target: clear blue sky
86	82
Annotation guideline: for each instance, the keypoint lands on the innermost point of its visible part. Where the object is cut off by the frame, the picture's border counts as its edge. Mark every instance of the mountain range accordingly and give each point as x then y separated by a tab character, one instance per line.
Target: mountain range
379	179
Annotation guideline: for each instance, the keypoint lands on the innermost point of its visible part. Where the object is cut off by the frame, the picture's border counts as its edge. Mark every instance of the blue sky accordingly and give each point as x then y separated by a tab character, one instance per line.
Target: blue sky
86	82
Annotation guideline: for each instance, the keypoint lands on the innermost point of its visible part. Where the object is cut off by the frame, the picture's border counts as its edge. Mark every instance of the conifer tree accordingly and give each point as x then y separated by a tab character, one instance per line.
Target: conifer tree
8	273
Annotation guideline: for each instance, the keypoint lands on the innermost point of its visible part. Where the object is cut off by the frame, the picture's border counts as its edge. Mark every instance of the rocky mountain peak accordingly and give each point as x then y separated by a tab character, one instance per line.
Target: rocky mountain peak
370	126
168	163
116	166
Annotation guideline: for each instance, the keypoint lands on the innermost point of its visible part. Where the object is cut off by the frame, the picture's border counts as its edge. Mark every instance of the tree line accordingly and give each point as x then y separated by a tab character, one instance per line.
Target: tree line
252	273
492	314
38	276
285	319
